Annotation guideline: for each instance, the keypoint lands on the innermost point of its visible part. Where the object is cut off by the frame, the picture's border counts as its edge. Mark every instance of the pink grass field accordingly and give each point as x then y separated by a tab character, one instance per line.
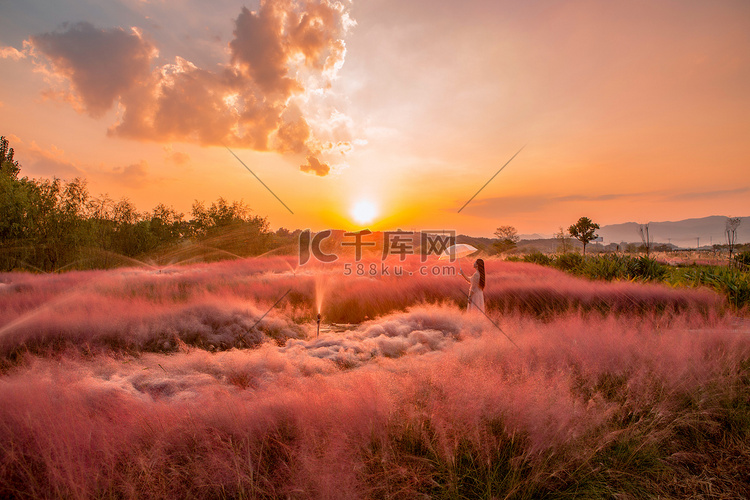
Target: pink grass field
185	382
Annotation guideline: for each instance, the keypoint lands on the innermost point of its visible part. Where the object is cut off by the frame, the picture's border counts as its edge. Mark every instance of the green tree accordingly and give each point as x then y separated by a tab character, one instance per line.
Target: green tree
8	166
52	225
218	217
131	234
507	238
17	207
59	224
100	215
166	224
584	231
230	228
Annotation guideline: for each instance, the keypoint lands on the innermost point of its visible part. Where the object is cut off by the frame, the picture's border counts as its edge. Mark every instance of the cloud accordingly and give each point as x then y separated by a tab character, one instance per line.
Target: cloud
284	50
48	162
293	136
260	52
11	53
709	195
53	162
185	103
493	207
315	166
508	205
101	65
599	197
134	175
176	157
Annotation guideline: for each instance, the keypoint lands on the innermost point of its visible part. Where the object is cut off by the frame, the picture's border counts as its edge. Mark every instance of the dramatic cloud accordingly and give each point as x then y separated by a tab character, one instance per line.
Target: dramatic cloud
293	136
101	65
285	49
260	51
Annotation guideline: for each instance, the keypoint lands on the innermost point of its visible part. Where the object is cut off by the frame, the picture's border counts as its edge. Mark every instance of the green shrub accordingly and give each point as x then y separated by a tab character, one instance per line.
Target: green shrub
538	258
733	283
605	267
569	261
647	269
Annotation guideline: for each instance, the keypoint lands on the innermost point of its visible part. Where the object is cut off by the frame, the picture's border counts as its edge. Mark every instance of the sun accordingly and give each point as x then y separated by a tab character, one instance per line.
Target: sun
364	211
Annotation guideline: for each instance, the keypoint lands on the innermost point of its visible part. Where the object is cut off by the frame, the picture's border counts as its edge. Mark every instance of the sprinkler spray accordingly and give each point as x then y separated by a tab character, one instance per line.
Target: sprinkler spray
318	334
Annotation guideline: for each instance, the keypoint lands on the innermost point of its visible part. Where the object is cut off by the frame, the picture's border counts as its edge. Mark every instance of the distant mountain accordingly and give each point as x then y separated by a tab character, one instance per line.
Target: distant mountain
685	233
535	236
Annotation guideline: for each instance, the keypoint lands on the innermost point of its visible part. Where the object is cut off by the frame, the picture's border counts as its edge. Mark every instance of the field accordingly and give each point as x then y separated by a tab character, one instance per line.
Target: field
210	381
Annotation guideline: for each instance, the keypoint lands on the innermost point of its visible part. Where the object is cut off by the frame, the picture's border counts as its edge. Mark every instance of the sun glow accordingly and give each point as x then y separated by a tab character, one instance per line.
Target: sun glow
364	211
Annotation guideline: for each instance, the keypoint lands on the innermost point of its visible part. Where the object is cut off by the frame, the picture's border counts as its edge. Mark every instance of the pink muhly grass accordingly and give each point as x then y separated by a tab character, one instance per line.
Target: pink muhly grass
416	399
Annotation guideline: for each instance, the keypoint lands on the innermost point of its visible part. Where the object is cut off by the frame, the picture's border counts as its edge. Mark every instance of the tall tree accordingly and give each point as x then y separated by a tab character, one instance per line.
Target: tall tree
507	237
584	231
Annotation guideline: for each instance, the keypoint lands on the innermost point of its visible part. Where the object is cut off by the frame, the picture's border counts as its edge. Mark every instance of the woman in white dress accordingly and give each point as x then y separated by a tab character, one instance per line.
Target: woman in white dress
476	290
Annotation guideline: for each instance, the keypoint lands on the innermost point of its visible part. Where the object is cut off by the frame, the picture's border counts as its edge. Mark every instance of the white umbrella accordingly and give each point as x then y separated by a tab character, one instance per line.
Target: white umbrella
457	251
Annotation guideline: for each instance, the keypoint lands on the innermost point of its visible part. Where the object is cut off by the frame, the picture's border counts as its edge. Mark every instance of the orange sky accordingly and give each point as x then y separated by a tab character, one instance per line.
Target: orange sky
629	111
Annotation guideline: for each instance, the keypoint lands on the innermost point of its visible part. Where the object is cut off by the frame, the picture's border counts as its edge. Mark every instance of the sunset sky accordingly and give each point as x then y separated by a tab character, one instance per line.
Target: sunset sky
626	110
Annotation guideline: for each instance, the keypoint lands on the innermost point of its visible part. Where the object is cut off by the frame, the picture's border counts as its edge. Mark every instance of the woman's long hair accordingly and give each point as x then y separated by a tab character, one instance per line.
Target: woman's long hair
480	268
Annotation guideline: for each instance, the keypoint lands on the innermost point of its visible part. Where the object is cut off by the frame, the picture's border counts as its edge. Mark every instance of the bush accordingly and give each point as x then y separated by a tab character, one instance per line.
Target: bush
734	284
569	261
538	258
647	269
605	267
